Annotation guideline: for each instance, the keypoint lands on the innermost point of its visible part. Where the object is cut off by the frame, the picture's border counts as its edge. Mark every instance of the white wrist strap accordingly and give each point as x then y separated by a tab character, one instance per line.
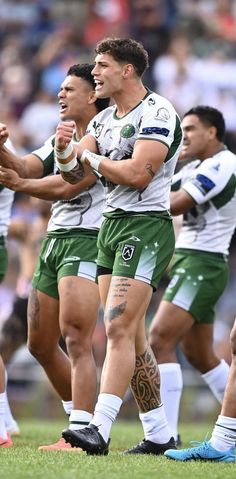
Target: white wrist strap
68	166
94	160
63	155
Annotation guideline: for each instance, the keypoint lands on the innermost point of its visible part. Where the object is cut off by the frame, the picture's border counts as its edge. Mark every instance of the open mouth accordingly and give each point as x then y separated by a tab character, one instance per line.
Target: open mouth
63	107
98	84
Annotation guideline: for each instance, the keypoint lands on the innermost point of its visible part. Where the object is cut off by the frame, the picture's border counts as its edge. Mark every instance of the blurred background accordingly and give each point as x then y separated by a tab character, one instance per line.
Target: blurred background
192	49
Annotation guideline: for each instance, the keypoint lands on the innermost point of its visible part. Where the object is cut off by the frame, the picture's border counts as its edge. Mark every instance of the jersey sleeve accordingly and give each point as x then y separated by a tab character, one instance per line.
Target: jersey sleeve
46	154
209	180
158	121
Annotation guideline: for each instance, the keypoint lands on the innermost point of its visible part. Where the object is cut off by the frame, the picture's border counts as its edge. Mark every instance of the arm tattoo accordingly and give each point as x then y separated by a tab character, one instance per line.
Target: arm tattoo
116	311
33	309
149	169
145	383
74	176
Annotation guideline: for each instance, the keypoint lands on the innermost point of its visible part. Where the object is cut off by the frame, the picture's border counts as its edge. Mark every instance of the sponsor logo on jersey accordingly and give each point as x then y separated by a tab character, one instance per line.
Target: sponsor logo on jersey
162	114
203	183
149	130
127	252
98	129
127	131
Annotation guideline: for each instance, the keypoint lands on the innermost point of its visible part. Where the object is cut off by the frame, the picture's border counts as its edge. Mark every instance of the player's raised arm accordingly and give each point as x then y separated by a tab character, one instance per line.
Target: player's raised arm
67	155
28	166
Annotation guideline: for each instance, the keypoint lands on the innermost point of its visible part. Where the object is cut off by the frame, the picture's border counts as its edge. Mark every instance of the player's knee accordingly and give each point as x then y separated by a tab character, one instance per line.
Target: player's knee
77	346
39	350
116	332
159	342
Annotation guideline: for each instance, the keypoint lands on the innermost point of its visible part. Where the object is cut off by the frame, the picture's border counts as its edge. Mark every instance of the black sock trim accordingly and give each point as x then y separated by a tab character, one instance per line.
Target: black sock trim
229	429
85	423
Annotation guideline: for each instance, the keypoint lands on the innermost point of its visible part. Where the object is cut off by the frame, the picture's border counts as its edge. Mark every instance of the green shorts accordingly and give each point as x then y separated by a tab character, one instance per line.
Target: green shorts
65	256
138	247
3	258
198	279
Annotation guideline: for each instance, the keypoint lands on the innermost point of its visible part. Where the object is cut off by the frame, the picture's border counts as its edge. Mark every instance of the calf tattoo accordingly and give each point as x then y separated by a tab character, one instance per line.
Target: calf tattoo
145	383
33	309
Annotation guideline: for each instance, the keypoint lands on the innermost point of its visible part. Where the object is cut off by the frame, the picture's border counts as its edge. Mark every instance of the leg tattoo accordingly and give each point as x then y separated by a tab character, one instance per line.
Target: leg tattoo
145	383
33	309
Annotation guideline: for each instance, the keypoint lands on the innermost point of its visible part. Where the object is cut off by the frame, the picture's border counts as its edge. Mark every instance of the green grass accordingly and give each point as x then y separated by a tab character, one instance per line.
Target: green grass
24	461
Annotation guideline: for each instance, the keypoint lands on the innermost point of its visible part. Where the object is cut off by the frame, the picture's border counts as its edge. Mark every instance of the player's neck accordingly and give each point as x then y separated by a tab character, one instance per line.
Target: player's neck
213	150
128	99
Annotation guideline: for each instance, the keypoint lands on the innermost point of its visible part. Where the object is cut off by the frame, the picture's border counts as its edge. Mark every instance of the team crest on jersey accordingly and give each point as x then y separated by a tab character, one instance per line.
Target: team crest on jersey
127	131
162	115
151	101
98	129
127	252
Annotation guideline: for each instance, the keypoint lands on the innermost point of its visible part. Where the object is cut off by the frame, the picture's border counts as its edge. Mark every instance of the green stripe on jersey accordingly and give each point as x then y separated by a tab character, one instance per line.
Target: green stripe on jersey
226	194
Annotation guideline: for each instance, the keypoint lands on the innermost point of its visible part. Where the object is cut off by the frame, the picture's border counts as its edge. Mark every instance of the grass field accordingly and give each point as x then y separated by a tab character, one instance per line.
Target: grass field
24	461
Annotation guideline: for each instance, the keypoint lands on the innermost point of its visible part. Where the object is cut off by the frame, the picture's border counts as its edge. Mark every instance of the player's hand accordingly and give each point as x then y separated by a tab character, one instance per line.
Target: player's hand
10	178
3	134
64	134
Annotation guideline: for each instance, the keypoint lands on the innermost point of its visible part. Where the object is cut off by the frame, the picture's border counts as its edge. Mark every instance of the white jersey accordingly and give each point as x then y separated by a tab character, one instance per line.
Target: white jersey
84	210
210	224
154	118
6	200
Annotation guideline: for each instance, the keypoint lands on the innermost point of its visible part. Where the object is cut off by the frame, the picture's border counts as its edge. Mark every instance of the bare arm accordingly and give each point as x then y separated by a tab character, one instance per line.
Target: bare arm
50	188
137	171
78	172
180	202
28	166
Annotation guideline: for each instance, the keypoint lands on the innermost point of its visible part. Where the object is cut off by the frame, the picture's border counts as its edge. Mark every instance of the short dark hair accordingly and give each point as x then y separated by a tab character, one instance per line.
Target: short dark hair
211	117
83	70
125	50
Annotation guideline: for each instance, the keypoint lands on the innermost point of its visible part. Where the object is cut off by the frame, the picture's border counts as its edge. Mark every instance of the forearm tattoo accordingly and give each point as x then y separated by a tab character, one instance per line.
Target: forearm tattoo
74	176
145	383
33	309
149	169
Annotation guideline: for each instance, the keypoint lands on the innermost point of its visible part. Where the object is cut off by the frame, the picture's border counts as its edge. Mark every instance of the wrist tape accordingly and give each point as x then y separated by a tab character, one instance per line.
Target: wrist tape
63	155
68	166
94	160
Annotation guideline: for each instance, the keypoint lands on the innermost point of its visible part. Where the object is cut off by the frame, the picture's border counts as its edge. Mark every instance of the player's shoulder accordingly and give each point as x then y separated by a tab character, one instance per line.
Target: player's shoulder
224	159
160	105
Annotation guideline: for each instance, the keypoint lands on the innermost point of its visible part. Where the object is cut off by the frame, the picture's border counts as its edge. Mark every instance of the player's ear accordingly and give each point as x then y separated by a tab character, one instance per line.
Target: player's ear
92	97
128	70
212	131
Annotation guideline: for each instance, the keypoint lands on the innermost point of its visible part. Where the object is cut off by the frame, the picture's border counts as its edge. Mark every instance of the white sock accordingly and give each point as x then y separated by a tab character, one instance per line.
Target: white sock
106	410
10	422
155	425
67	406
171	392
79	419
216	379
224	433
3	431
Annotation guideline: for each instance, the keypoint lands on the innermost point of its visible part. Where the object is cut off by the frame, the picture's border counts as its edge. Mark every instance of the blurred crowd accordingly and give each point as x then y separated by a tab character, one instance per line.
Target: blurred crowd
192	48
191	44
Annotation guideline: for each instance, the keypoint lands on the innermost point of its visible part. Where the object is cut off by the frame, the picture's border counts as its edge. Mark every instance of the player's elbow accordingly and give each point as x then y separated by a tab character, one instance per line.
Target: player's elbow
139	182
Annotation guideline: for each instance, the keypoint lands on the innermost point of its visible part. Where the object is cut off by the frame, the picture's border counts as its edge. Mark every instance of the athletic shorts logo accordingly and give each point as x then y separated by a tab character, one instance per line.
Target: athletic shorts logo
127	252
